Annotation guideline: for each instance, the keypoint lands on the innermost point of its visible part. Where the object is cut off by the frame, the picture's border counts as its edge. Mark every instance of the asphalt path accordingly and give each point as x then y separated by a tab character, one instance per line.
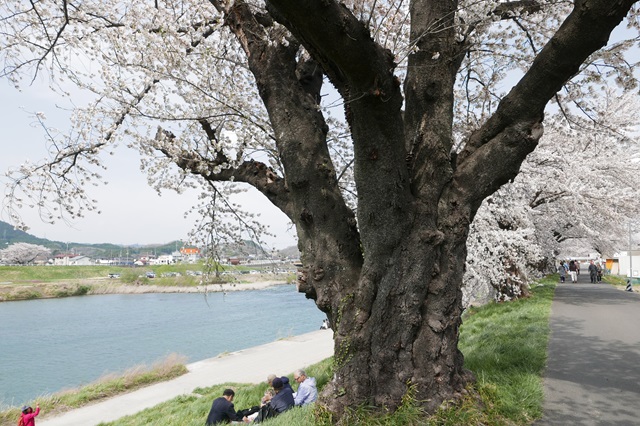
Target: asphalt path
593	367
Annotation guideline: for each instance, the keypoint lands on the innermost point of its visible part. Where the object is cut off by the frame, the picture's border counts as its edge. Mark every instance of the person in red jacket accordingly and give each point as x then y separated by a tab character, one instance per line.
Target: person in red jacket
29	416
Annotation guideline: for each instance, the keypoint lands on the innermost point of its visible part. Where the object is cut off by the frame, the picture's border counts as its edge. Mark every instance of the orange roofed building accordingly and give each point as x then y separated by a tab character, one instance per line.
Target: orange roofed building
190	251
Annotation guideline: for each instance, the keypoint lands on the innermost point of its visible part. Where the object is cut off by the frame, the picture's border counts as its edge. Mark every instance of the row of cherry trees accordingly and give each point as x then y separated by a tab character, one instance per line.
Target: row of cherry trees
578	190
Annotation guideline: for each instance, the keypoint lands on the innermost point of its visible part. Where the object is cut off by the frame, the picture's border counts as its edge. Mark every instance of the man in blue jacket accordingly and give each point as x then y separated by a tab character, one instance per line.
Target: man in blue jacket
307	390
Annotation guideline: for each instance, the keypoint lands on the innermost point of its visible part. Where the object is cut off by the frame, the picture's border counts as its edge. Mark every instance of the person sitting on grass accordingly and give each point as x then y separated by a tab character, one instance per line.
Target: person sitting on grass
279	403
285	381
283	399
307	390
222	410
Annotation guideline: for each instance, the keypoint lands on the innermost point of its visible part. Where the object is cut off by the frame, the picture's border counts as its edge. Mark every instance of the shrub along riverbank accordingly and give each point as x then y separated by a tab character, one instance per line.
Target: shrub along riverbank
505	345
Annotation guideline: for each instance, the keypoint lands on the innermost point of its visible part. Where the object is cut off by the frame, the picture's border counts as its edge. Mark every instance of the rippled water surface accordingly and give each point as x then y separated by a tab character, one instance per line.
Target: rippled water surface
52	344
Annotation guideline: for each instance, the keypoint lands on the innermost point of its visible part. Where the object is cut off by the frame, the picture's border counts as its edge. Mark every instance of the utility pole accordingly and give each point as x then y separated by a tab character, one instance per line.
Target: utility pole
630	256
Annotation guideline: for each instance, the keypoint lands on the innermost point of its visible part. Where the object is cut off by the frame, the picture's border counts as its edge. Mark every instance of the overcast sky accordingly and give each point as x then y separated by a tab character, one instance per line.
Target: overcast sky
132	212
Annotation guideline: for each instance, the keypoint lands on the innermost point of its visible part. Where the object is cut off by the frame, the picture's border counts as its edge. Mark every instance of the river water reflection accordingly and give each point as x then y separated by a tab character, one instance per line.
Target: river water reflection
51	344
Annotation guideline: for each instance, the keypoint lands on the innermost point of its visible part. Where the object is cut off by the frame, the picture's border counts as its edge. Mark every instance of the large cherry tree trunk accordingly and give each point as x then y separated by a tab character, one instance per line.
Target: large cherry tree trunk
390	276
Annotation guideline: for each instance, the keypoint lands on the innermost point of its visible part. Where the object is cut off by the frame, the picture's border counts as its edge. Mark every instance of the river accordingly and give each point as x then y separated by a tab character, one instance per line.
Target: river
52	344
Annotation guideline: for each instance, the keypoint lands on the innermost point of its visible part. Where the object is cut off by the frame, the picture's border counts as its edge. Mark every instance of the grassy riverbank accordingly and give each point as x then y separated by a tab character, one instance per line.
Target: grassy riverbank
505	345
38	282
105	387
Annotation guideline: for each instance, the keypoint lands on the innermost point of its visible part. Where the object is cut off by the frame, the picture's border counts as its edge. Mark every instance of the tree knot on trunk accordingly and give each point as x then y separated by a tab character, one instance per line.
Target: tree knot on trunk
306	216
433	237
437	324
318	274
525	132
301	280
373	155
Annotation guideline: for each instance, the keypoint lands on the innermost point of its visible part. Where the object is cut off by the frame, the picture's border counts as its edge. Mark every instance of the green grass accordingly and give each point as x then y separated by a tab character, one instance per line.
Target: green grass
192	410
620	282
17	274
28	275
505	345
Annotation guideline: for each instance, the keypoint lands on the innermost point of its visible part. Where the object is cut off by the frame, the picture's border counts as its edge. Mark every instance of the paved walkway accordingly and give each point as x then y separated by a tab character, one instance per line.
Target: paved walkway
282	357
593	369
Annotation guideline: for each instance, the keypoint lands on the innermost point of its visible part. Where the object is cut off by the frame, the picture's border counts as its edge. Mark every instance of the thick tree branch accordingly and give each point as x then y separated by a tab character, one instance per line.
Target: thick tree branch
363	73
508	10
338	41
428	88
585	30
257	174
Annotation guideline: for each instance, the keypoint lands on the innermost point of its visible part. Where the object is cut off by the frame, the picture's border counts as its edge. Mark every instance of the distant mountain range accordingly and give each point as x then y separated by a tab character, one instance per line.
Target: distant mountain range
9	235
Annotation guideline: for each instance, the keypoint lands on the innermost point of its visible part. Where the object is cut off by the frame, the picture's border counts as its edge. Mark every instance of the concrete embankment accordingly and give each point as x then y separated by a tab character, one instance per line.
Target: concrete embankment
245	366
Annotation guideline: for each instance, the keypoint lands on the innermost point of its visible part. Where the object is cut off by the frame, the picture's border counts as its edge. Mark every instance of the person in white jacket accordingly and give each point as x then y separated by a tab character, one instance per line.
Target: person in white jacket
307	390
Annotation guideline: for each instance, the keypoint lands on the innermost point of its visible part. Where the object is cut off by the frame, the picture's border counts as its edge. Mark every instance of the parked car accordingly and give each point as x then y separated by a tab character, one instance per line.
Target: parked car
114	275
151	274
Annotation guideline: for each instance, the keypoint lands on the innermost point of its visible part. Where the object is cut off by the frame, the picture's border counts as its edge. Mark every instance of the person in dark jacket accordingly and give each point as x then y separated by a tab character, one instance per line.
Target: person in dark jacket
283	400
593	272
276	404
222	410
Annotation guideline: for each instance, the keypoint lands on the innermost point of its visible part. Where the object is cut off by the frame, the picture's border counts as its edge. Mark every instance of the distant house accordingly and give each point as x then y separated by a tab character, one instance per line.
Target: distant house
190	254
145	260
623	262
187	251
82	261
165	259
69	259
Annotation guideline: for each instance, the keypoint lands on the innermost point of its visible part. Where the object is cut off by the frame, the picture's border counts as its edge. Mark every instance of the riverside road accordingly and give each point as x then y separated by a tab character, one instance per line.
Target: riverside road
593	368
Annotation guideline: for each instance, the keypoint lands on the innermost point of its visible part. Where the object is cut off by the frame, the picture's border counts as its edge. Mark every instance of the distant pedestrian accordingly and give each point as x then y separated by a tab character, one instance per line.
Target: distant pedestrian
572	271
578	267
593	272
598	272
562	271
222	410
28	416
